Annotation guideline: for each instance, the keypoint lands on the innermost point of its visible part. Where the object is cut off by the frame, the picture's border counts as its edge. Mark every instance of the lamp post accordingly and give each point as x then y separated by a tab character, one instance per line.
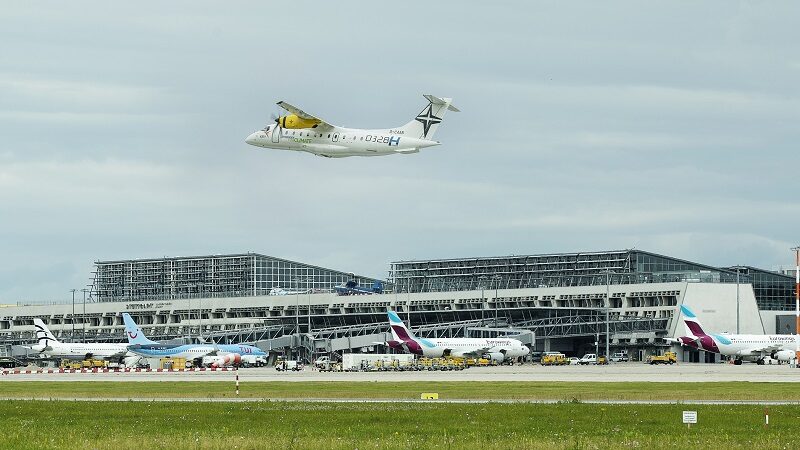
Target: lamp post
72	336
737	299
83	317
482	279
797	304
496	281
608	308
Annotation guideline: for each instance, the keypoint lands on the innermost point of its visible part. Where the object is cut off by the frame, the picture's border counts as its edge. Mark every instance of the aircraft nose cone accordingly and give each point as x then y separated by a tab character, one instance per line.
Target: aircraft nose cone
252	139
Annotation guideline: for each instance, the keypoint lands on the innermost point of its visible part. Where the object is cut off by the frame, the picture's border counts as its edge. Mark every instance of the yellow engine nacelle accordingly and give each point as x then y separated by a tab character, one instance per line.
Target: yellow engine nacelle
292	122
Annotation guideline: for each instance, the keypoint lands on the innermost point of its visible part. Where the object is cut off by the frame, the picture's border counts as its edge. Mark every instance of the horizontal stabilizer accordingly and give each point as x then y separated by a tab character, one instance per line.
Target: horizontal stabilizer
440	101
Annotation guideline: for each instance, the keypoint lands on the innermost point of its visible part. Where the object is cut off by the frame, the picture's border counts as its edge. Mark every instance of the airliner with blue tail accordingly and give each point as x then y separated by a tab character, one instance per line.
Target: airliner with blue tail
497	349
138	343
754	347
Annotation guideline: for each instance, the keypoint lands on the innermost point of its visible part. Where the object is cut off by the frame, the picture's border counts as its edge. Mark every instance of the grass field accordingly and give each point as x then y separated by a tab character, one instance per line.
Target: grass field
566	391
289	425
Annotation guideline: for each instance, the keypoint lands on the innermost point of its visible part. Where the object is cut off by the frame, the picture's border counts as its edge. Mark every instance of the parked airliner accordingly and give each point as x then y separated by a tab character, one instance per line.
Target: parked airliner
303	132
141	345
497	349
740	346
50	347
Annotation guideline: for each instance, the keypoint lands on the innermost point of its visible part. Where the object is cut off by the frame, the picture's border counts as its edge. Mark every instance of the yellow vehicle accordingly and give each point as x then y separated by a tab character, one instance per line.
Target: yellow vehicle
69	364
602	360
554	359
666	358
172	363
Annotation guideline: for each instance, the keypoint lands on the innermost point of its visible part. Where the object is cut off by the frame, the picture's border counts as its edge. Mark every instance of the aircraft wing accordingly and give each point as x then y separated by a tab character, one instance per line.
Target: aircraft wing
765	349
303	115
474	353
116	356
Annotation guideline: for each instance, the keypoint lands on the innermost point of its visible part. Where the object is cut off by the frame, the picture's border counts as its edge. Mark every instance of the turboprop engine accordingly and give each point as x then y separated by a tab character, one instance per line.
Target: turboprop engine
783	355
231	359
293	122
495	357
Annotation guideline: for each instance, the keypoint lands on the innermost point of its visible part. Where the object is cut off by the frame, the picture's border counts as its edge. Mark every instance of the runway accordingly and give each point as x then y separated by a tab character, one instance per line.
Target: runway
686	372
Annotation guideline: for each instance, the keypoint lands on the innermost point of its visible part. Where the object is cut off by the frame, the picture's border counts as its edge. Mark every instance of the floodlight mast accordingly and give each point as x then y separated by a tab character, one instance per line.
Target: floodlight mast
797	304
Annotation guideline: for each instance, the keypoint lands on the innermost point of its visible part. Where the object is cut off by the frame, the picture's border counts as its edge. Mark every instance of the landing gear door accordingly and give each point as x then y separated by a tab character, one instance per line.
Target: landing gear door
276	134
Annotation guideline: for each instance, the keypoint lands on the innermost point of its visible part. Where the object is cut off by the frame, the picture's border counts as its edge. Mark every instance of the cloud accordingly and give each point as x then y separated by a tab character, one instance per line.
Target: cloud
581	129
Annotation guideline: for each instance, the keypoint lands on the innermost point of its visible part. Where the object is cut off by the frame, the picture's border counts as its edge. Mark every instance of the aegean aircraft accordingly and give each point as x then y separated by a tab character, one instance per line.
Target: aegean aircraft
304	132
51	347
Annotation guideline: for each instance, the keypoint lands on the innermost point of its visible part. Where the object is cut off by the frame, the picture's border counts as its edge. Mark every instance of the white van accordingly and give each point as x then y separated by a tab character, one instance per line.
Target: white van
620	357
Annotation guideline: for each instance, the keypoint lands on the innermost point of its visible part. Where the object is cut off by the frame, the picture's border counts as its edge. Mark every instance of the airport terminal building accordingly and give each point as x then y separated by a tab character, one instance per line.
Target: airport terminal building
550	302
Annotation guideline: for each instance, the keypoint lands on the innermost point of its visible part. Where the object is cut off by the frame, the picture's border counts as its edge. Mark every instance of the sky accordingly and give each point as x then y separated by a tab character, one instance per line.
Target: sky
669	127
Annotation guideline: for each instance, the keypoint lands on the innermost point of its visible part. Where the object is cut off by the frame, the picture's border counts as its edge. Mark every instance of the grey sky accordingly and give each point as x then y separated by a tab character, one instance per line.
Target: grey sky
669	127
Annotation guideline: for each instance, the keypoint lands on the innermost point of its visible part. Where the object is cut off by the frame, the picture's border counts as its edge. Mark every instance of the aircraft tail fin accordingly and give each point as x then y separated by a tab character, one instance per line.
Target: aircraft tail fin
399	330
693	327
425	124
43	335
133	332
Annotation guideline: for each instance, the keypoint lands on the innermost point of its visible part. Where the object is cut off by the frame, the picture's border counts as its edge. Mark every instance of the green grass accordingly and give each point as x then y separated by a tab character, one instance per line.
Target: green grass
115	425
405	390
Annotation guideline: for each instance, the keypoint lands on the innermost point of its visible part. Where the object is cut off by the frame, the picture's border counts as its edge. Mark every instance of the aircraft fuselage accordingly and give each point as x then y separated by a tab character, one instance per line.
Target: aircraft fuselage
339	142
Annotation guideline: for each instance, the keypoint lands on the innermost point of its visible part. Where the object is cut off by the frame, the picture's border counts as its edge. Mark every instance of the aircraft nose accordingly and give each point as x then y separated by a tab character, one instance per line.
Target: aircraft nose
252	139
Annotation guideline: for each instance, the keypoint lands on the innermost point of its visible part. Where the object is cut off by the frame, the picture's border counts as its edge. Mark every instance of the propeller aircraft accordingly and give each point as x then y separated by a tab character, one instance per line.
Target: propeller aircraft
304	132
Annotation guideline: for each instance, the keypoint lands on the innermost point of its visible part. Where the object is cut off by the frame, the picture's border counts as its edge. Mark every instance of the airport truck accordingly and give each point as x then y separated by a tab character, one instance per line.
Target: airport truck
666	358
554	359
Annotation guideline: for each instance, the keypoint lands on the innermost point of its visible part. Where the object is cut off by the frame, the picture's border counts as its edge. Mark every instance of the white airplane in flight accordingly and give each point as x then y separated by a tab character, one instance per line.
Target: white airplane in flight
497	349
50	347
303	132
739	346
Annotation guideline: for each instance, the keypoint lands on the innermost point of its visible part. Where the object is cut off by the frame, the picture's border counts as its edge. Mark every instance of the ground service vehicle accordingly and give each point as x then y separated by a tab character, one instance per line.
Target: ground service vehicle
283	364
574	361
619	357
589	358
602	360
666	358
554	359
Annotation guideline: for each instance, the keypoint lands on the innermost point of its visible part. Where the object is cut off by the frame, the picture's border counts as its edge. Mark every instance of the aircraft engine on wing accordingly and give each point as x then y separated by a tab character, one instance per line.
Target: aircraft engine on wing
495	356
231	359
293	122
783	355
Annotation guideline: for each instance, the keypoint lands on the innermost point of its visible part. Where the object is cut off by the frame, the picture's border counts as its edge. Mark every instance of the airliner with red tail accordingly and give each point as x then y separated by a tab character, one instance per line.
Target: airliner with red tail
754	347
496	349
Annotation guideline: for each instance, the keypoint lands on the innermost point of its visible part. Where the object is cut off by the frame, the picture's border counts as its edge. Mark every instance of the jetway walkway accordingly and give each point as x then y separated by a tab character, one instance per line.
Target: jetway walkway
356	337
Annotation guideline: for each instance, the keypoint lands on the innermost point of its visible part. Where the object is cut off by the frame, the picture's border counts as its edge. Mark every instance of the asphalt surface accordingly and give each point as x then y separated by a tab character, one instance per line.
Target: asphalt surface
684	372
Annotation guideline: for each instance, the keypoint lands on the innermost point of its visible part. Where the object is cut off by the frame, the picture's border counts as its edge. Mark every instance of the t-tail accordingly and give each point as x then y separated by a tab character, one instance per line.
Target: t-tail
134	333
44	338
425	124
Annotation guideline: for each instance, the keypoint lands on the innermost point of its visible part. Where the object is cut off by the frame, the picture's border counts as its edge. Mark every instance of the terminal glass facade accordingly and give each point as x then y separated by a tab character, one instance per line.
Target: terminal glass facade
772	290
211	276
